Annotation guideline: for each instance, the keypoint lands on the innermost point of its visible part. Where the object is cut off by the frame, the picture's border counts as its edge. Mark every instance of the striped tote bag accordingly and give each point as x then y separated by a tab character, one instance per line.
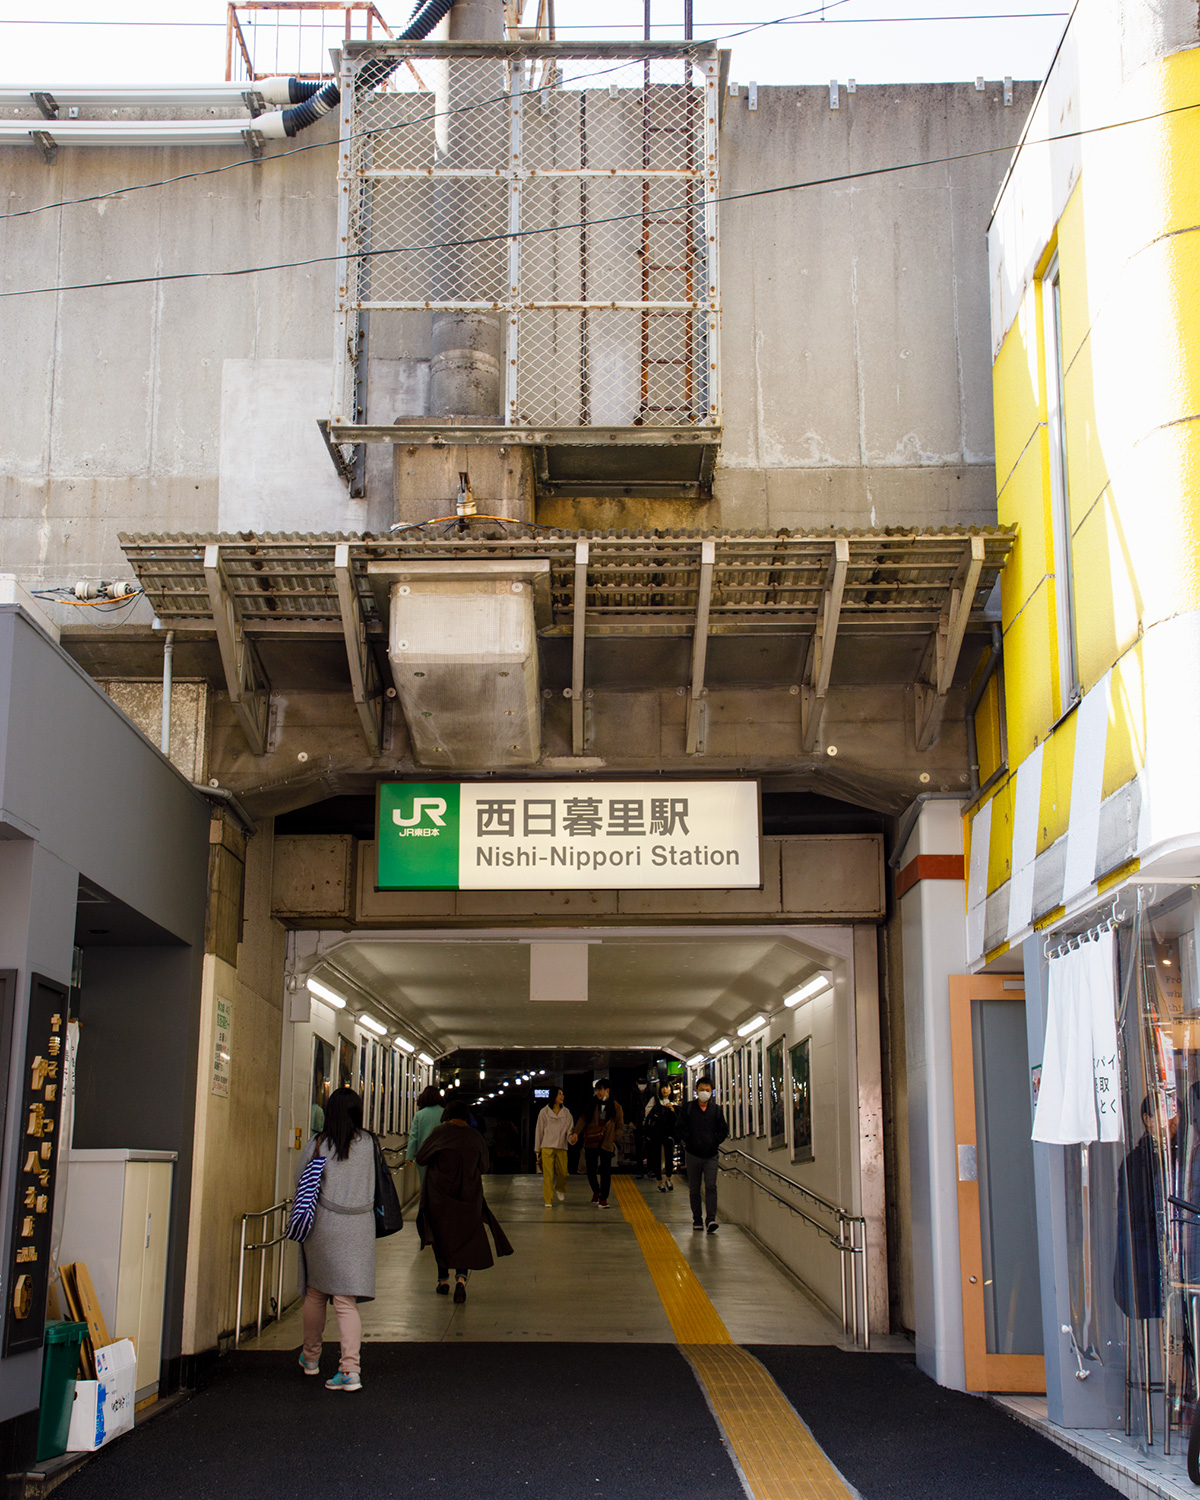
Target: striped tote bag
304	1204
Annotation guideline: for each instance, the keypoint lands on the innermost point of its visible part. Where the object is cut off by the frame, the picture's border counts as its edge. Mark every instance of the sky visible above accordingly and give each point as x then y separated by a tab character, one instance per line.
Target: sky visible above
99	42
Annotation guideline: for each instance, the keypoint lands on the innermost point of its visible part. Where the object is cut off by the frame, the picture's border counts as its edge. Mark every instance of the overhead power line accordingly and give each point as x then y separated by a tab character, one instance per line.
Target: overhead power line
488	239
233	166
1014	15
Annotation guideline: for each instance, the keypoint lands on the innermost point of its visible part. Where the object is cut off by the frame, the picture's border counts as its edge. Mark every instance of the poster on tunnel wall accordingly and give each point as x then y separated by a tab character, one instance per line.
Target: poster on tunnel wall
589	835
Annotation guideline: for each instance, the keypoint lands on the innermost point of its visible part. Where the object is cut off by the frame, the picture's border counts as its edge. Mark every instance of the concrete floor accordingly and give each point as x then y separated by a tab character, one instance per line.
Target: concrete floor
577	1276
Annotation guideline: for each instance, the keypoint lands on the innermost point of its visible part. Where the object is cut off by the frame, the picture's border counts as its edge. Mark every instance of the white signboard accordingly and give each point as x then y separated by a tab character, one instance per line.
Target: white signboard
222	1045
576	835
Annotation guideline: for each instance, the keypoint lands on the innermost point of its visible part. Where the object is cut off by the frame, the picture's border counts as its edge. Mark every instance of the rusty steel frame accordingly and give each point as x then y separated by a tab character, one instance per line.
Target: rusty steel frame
233	28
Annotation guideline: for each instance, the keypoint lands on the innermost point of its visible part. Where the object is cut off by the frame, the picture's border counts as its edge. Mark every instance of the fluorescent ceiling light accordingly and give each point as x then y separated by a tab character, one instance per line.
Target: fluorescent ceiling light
323	992
423	1057
748	1026
372	1024
720	1044
406	1046
694	1062
814	986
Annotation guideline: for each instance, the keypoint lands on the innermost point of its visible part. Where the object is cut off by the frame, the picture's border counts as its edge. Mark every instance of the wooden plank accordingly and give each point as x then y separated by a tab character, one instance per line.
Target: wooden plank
578	639
87	1362
89	1305
708	556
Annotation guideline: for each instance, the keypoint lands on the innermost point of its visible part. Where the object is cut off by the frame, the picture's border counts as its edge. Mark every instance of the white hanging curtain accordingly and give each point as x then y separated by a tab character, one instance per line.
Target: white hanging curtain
1079	1100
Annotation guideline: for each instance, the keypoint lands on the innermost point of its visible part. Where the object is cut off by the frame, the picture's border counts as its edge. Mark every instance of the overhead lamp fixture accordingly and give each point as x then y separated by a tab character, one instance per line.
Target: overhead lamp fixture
423	1057
753	1025
405	1046
482	1075
491	1096
817	985
373	1025
323	992
694	1062
719	1045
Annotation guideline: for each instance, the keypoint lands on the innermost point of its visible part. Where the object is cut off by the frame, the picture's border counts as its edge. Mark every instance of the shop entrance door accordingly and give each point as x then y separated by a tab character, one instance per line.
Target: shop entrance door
997	1223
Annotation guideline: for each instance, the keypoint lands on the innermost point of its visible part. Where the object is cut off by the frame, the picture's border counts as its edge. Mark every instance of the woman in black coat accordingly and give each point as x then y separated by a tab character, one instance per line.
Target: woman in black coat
453	1210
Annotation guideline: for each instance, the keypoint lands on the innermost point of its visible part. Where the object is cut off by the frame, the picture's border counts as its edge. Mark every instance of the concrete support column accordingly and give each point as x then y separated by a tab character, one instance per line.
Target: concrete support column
869	1078
933	923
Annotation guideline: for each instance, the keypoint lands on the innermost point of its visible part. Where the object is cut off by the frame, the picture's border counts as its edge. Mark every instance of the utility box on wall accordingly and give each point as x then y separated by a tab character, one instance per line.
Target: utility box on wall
117	1220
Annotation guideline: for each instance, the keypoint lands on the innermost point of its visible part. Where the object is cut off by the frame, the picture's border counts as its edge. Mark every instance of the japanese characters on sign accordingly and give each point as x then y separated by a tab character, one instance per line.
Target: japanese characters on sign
41	1103
222	1046
584	835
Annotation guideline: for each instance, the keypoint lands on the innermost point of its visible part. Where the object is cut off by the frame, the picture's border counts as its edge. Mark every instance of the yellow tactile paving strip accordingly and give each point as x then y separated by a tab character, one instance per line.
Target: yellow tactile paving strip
778	1457
692	1316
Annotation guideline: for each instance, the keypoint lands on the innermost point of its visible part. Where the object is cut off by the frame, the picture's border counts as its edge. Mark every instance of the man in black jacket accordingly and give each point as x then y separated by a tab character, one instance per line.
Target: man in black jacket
701	1126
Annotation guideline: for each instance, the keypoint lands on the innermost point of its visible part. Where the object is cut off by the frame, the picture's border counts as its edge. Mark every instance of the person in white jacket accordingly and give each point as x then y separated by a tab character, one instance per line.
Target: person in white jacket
550	1146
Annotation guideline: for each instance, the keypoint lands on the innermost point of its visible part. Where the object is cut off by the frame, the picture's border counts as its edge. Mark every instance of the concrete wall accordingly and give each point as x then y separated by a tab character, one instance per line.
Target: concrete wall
236	1134
830	1020
854	334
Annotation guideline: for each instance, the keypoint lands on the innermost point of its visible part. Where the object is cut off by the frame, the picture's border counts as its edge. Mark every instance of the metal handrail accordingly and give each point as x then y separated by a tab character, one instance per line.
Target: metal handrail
282	1207
799	1187
850	1241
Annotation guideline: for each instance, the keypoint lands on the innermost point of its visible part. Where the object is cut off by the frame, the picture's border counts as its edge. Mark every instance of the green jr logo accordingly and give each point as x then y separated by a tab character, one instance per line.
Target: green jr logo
418	836
435	807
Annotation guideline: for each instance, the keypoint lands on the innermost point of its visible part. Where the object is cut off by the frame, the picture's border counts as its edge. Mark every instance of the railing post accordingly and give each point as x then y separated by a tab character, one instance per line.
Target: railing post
866	1291
237	1312
282	1246
262	1267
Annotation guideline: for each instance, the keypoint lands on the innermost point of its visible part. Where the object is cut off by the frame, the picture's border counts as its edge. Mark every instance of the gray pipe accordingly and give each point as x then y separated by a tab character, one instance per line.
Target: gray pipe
466	347
228	799
164	738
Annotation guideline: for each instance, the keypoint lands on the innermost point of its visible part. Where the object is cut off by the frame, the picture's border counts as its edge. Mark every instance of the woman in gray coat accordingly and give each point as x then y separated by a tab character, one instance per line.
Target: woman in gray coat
337	1260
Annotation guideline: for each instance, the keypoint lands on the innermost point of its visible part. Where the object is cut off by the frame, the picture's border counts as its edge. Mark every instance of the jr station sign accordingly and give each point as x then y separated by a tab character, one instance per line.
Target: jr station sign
592	835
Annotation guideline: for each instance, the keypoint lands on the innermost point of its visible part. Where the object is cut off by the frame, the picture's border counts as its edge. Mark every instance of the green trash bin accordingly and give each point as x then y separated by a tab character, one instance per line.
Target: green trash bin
60	1361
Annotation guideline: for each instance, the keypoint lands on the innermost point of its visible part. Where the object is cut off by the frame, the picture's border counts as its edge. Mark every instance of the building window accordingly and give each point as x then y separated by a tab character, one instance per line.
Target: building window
1060	508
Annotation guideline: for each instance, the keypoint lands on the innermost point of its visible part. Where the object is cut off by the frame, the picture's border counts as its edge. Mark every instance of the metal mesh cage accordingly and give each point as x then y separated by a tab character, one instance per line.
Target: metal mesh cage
572	191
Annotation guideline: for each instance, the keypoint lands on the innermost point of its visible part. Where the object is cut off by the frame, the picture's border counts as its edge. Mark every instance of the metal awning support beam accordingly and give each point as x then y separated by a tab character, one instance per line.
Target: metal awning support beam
578	641
930	697
364	671
695	707
813	692
247	682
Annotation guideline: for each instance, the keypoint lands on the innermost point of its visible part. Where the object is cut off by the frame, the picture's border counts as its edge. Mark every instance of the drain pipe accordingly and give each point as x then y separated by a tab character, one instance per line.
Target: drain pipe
309	101
226	798
164	738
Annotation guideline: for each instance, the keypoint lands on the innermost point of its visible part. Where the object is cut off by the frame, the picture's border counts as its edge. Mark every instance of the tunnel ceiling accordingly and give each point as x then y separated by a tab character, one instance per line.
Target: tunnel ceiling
673	991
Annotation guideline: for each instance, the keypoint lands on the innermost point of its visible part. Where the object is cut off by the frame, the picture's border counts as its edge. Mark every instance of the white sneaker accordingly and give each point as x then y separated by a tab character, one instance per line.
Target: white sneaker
562	1197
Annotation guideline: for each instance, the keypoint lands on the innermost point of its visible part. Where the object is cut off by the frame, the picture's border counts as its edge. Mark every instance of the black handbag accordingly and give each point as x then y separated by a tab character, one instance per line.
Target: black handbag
389	1219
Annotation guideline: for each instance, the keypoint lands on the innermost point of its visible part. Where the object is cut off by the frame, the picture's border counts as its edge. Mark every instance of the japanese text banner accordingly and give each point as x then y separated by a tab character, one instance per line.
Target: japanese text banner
597	835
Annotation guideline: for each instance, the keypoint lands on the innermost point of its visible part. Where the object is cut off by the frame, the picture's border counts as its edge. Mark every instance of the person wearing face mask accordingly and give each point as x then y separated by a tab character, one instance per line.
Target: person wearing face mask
701	1126
598	1128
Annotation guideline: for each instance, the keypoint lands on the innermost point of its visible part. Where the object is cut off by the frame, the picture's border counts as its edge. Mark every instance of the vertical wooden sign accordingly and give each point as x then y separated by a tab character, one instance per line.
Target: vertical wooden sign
37	1152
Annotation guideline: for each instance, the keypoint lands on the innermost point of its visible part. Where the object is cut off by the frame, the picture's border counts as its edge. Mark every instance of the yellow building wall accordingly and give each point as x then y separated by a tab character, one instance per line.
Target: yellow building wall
1129	269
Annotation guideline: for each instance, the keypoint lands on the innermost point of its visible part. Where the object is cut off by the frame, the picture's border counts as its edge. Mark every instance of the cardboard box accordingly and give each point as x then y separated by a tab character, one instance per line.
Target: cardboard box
103	1407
